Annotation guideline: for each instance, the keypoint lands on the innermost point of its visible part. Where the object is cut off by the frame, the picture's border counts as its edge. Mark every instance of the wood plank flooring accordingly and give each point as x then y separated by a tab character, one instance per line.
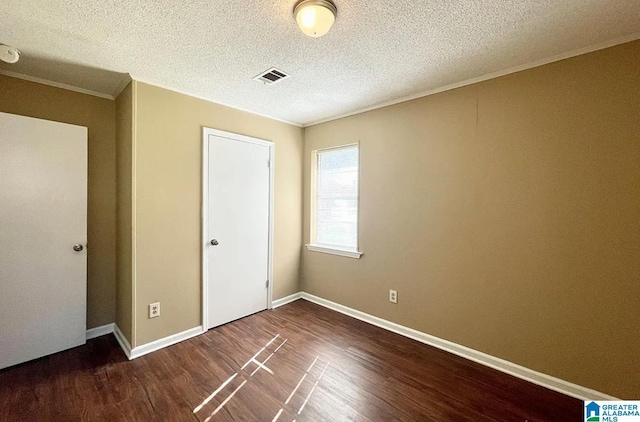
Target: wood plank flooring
320	366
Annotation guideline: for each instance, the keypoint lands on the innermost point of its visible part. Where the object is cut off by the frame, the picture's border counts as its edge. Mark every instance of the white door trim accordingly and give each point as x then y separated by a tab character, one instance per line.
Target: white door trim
206	132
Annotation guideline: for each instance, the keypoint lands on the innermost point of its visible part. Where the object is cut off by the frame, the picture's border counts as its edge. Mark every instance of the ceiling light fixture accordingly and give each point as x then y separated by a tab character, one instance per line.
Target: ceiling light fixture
315	17
9	54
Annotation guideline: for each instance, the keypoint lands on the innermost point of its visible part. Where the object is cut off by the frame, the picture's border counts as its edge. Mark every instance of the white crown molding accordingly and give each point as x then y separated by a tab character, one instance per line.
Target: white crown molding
537	63
287	299
100	331
55	84
122	86
210	100
482	78
544	380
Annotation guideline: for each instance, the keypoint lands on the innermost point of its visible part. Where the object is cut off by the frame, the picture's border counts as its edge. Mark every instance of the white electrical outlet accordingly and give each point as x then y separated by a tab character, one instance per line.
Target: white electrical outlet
393	296
154	310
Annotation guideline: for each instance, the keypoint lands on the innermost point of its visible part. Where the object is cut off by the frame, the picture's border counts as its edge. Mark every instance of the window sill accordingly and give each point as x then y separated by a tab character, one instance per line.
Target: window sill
335	251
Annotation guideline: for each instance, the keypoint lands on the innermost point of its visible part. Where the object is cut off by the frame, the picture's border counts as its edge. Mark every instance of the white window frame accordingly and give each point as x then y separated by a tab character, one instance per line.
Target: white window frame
313	246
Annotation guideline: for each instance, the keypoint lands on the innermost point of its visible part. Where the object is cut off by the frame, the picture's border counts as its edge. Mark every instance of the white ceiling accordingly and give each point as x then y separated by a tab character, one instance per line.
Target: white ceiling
378	50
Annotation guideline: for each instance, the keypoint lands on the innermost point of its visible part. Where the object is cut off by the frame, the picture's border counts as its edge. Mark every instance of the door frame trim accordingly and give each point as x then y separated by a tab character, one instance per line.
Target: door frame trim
206	132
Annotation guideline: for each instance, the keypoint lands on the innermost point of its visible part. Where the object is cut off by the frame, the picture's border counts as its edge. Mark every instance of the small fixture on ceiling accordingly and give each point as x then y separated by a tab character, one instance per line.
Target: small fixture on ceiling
315	17
9	54
271	76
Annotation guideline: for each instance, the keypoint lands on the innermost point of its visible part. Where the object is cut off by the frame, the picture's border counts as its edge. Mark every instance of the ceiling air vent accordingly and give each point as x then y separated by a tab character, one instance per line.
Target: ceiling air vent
271	76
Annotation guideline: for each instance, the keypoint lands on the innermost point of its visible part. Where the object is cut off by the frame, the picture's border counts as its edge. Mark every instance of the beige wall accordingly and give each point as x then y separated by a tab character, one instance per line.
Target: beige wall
45	102
506	214
168	184
124	227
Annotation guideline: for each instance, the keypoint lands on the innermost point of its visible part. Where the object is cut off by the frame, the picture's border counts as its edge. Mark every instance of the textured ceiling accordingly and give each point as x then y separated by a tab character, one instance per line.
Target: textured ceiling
378	50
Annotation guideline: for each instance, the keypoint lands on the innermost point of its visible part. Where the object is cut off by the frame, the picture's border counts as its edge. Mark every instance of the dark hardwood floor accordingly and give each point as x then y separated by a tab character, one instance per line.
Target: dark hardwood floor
320	366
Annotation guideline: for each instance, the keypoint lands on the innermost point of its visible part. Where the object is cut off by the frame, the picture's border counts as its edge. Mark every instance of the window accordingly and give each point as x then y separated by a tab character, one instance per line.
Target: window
334	201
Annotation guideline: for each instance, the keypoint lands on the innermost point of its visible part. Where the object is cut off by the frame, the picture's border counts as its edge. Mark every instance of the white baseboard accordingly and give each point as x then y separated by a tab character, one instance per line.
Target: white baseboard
287	299
544	380
122	341
100	331
138	351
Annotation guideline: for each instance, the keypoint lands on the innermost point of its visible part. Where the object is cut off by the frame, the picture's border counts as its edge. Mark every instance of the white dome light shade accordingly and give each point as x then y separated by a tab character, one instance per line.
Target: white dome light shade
315	17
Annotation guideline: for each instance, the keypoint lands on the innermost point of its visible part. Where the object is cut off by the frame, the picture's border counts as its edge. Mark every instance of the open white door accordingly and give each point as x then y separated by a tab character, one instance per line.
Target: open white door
236	231
43	232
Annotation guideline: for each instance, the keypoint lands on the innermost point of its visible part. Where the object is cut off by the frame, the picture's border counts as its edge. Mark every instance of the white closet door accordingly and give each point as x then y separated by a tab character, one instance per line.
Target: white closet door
238	228
43	232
